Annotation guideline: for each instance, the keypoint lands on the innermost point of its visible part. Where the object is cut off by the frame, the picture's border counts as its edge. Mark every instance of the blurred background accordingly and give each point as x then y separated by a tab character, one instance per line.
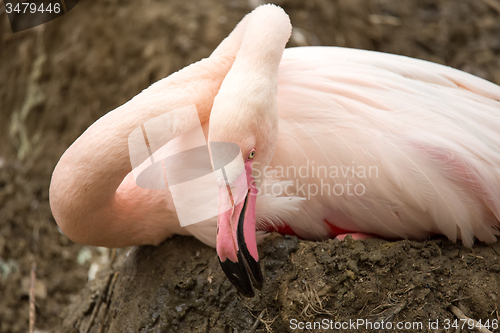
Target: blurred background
58	78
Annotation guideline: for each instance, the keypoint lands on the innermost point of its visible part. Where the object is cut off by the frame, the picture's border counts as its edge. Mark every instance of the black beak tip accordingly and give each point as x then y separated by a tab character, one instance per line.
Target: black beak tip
246	270
238	276
253	268
243	277
258	284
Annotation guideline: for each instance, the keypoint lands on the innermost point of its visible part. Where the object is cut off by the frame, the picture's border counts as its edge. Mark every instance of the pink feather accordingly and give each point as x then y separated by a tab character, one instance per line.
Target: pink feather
429	135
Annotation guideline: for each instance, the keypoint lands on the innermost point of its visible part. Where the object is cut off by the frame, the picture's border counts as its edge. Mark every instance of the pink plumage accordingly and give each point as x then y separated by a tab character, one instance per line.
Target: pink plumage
430	134
343	140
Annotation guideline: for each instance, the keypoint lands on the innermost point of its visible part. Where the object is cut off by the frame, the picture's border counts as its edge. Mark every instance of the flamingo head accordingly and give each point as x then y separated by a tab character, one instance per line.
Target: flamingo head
244	116
242	144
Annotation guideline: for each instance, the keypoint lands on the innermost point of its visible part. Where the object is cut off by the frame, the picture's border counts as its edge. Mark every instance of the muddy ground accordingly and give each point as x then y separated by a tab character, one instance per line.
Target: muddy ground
58	78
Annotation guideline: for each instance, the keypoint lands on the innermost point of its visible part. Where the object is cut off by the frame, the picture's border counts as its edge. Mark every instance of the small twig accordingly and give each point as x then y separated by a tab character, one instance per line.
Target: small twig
257	322
32	304
267	322
385	20
32	298
111	287
108	298
112	257
459	299
102	294
460	315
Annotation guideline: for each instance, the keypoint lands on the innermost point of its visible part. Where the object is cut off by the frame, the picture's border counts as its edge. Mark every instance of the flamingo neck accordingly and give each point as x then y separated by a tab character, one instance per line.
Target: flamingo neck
83	191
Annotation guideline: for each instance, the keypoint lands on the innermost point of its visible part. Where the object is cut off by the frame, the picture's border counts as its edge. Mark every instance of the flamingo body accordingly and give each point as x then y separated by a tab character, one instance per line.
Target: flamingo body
429	133
335	140
423	141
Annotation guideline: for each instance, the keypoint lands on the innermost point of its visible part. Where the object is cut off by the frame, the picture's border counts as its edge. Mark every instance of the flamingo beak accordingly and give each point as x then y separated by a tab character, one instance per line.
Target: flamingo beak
236	241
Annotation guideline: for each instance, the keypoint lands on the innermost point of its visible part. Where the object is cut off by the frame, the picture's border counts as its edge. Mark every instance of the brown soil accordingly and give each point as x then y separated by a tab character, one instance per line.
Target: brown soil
179	287
58	78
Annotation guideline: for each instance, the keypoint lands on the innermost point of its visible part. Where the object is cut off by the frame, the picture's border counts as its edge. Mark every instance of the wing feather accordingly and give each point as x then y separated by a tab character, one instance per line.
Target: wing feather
430	131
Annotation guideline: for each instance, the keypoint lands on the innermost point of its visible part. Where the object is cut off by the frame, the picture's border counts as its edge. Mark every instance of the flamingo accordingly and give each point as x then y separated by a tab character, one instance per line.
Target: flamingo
334	141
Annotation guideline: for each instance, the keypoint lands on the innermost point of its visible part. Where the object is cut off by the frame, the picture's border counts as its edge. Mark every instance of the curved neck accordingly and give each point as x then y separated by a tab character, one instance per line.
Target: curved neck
83	190
245	110
264	41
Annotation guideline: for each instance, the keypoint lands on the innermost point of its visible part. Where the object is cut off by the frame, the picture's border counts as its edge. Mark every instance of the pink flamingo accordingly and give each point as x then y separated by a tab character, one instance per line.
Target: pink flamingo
420	143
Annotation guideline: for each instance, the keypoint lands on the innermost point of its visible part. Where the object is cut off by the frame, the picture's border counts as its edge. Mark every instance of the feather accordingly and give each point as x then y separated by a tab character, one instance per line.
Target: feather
430	132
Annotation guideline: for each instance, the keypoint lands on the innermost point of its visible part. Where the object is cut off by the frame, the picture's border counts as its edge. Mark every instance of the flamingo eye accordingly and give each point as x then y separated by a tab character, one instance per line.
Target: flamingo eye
251	155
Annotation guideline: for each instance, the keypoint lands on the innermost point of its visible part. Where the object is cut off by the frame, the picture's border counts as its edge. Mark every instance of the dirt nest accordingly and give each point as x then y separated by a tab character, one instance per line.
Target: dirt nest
58	78
179	287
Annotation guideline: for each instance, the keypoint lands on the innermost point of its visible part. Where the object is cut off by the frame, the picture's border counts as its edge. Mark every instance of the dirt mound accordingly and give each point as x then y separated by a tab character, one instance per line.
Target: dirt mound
179	287
58	78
